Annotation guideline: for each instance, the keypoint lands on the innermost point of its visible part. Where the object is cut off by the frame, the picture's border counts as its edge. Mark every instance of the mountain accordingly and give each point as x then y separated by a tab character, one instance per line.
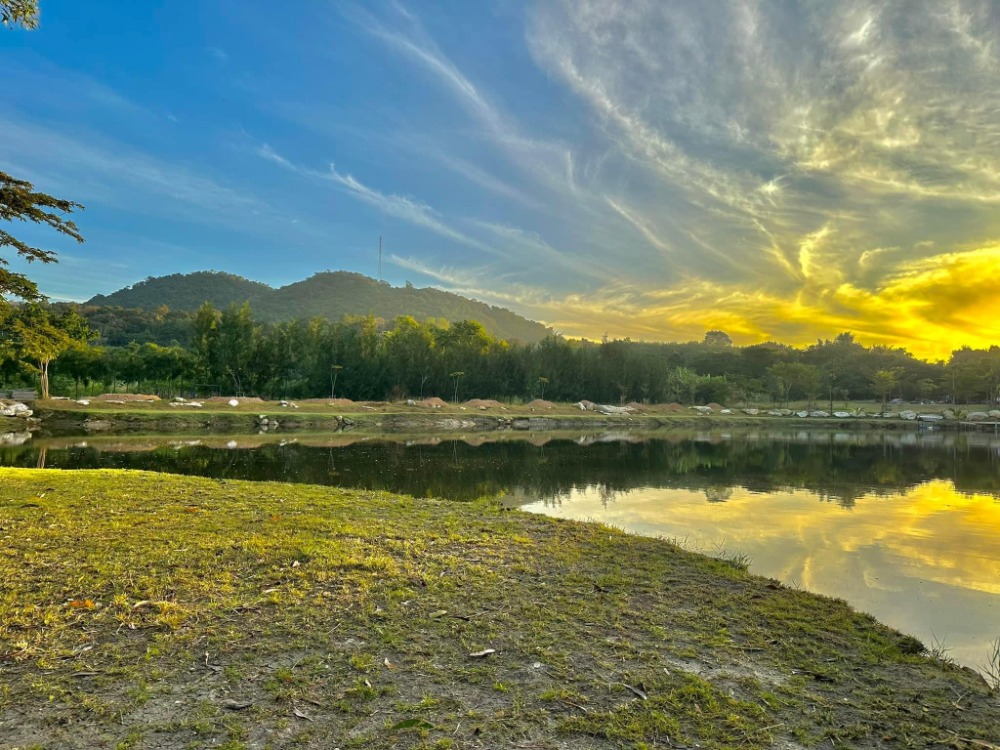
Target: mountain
331	295
185	291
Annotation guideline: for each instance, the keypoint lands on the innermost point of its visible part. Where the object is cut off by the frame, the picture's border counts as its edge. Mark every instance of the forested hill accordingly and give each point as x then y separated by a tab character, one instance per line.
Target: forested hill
330	295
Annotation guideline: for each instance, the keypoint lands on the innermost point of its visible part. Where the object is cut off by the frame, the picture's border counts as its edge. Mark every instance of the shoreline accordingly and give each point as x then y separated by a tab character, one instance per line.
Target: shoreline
238	608
161	417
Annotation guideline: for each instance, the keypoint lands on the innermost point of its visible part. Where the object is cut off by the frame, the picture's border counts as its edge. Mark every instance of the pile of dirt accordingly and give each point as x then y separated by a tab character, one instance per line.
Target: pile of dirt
433	402
715	407
539	403
126	397
327	401
636	406
489	403
674	407
227	399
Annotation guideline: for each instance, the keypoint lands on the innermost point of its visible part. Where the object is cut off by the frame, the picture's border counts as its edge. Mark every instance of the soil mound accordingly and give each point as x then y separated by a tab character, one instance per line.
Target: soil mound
674	407
433	402
487	402
715	407
127	397
540	403
227	399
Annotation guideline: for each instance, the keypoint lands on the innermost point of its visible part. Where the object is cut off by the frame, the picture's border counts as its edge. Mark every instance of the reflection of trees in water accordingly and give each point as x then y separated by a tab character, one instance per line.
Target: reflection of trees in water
718	494
838	467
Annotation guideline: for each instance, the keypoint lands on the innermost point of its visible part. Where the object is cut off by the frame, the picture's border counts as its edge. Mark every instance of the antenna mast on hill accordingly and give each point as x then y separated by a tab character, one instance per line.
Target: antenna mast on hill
380	257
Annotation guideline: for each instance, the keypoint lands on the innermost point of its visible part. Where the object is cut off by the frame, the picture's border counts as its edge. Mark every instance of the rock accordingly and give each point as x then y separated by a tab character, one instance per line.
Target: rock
14	438
232	444
948	414
785	412
410	402
775	412
16	409
842	414
819	413
703	410
83	402
608	409
752	412
726	411
907	414
802	414
978	416
994	413
178	399
233	402
930	417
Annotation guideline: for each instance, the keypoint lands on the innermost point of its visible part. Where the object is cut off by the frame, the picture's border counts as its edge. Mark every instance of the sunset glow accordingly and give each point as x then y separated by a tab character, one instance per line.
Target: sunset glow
651	170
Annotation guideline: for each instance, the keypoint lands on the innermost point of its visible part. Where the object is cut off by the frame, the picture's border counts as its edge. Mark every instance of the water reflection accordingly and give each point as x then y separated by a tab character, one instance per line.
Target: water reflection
925	559
839	467
903	525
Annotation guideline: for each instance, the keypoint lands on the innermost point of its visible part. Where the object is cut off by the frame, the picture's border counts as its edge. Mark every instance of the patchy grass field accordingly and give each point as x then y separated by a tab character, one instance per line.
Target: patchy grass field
148	611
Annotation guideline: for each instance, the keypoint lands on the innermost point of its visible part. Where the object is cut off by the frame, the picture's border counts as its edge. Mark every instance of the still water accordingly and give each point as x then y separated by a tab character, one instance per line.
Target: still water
905	526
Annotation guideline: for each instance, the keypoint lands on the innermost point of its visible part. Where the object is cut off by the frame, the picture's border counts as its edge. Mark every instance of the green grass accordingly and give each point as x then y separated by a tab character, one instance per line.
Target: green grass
143	610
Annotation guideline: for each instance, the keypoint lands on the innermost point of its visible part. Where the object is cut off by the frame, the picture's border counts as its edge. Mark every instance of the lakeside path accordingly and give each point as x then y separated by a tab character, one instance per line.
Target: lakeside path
141	610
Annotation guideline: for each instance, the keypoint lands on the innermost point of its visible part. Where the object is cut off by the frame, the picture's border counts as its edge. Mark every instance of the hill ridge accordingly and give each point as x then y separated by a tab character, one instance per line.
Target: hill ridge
330	294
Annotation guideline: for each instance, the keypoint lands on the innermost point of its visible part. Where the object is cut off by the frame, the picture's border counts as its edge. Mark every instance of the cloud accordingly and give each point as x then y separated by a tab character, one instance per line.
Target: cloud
829	152
111	173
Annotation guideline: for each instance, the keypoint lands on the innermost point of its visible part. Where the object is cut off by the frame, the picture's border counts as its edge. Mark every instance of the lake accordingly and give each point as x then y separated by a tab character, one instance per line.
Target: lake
905	526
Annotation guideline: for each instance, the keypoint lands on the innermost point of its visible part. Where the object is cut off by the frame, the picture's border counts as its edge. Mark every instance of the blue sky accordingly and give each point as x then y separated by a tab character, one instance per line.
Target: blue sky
777	169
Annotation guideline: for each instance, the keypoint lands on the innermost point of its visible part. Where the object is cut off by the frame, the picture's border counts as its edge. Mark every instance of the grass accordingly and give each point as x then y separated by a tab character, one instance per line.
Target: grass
145	610
992	667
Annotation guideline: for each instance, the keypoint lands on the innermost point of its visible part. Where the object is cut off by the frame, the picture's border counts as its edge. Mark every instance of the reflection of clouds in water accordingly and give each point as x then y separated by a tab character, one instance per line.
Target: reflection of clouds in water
924	560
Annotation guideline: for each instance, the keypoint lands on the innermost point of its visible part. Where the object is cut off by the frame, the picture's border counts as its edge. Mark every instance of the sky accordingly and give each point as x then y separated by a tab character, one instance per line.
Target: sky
779	170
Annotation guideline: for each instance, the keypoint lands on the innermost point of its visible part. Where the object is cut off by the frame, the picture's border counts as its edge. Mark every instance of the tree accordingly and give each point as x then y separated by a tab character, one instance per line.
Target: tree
18	200
542	382
39	337
884	382
23	13
717	338
457	376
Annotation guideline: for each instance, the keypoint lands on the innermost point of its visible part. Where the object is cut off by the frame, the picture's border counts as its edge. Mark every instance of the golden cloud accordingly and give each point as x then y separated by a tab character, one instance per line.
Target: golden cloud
929	306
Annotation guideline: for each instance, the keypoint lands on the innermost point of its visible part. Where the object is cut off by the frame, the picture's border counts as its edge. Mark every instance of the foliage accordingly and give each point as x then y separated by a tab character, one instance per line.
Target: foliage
330	295
19	202
22	13
36	337
211	351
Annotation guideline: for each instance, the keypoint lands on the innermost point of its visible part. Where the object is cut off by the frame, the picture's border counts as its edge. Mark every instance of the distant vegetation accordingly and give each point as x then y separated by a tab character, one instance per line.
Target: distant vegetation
231	352
329	295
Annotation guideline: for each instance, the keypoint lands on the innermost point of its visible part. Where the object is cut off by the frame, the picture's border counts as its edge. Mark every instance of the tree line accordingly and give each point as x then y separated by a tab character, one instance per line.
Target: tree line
229	352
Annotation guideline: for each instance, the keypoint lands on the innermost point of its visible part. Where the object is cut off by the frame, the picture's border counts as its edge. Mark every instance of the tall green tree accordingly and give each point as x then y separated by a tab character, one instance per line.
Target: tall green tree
884	382
38	338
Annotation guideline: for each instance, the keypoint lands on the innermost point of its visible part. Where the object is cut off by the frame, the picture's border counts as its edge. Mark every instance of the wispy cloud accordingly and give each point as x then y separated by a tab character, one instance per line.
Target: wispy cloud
405	208
112	173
